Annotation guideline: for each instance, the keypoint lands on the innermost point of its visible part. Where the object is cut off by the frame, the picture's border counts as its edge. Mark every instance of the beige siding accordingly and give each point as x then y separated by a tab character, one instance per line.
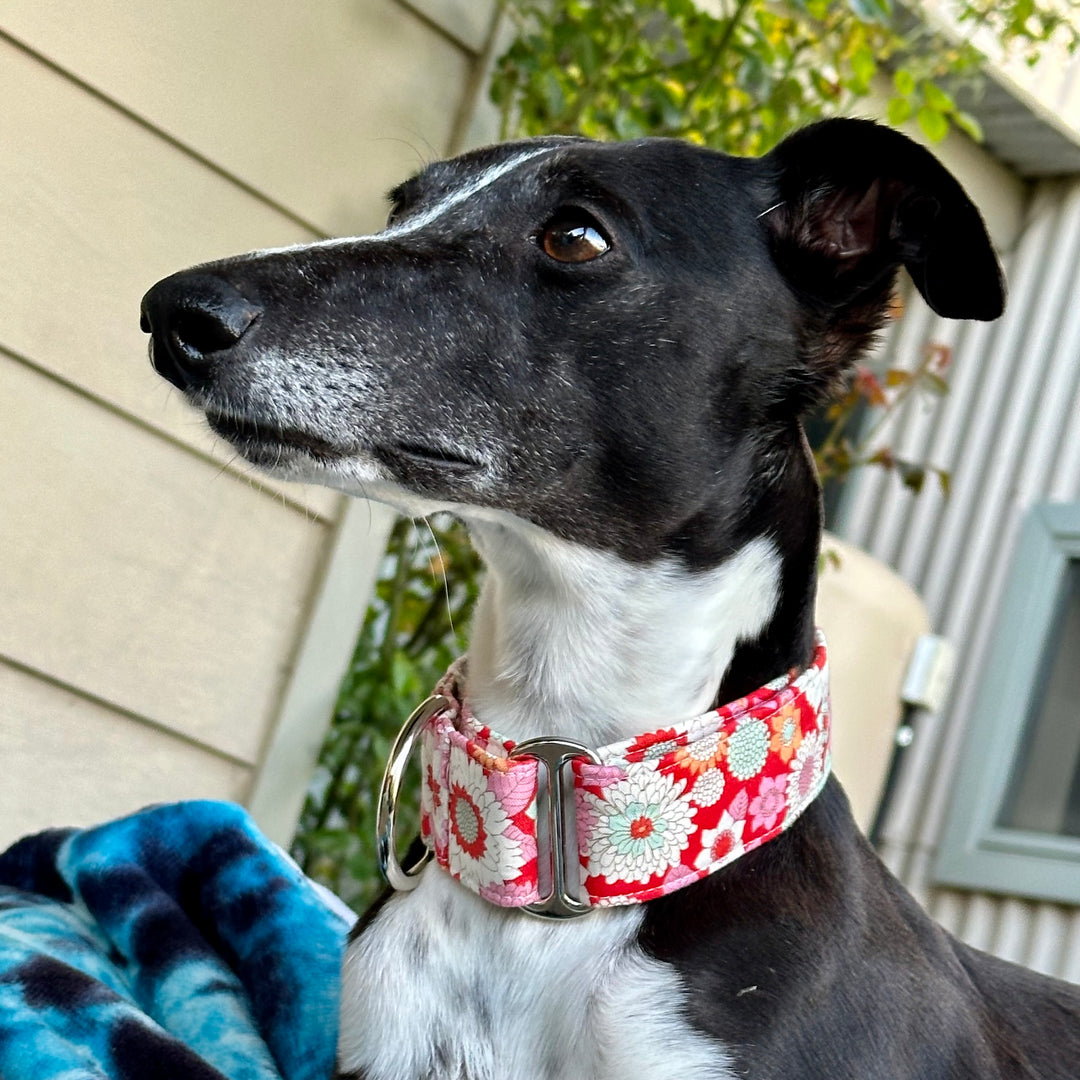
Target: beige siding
322	106
96	208
66	759
169	626
137	572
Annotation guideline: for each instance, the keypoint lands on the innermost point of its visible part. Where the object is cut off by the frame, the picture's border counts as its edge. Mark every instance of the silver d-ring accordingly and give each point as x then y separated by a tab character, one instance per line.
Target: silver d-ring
399	878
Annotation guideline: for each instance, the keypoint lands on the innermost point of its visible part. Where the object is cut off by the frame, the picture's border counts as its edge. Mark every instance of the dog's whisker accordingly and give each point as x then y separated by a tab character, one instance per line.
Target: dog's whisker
445	579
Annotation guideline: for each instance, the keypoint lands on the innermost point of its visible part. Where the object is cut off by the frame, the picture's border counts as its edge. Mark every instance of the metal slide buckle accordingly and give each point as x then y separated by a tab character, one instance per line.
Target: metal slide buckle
555	754
399	878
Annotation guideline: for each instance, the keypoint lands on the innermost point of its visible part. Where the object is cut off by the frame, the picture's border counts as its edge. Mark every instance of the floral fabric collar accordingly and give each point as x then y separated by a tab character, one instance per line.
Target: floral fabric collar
658	812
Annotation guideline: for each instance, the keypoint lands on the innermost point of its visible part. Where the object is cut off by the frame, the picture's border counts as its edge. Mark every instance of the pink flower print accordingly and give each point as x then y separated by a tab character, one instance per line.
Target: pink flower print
602	776
586	818
769	803
677	877
510	893
526	840
807	770
514	789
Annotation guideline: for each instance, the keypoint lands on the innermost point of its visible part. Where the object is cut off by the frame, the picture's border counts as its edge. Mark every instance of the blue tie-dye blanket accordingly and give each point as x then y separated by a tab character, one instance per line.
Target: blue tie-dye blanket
175	944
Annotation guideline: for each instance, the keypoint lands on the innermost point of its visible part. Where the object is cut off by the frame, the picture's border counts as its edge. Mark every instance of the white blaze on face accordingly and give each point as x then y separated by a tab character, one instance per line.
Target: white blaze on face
469	187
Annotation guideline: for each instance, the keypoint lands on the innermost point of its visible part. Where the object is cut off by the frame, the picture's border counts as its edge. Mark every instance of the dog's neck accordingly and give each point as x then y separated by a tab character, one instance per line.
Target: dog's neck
575	642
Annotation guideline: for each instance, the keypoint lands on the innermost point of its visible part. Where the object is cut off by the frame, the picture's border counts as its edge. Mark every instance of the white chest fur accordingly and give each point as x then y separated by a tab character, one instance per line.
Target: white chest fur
444	985
573	642
579	643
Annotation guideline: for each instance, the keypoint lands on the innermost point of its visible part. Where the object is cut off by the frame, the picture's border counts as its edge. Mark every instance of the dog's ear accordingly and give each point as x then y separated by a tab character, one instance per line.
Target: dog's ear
854	200
849	201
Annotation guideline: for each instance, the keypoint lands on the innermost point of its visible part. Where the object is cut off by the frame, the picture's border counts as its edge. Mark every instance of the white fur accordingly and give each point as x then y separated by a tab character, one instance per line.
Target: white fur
418	221
575	642
444	985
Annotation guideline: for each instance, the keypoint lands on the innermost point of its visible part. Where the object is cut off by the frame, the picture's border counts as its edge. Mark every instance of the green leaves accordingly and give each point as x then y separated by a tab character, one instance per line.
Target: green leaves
747	72
899	111
933	123
414	628
738	81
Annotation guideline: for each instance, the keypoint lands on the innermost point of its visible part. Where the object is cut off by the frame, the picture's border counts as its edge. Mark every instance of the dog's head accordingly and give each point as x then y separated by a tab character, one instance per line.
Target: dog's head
569	330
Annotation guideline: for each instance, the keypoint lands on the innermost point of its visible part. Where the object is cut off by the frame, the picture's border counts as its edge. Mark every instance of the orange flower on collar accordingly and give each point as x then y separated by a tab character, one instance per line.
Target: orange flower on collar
702	754
787	732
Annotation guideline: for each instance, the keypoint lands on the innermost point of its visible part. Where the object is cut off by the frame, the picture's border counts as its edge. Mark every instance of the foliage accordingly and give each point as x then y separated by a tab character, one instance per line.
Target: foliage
850	442
414	628
736	75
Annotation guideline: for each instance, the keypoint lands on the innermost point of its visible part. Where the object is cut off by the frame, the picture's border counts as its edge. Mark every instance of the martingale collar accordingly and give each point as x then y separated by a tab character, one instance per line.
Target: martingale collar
650	815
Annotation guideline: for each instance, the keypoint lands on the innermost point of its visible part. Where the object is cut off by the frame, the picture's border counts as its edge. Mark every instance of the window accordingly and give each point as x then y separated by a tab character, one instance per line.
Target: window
1014	826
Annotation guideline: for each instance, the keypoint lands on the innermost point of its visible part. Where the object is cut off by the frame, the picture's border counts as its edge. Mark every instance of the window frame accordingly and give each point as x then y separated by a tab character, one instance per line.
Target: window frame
976	852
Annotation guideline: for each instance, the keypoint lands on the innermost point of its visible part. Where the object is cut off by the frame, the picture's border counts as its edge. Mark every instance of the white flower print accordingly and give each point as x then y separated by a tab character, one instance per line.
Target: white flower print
482	849
748	748
815	687
807	772
723	842
708	788
641	827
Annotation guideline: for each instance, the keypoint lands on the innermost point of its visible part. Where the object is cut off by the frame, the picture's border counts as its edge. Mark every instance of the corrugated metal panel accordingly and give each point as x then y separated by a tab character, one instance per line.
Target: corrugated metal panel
1009	431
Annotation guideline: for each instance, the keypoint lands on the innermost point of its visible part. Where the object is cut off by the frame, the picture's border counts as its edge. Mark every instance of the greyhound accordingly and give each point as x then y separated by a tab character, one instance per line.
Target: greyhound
597	357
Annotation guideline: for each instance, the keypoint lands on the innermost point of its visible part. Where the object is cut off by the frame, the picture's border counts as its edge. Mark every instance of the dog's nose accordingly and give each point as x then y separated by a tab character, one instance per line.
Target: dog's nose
192	318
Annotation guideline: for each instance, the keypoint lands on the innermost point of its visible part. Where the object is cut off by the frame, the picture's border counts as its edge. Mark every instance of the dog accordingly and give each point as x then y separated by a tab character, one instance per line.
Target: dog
597	357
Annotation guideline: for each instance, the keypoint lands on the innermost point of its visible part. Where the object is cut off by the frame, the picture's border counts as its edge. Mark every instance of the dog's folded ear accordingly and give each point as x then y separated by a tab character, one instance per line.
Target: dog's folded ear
851	201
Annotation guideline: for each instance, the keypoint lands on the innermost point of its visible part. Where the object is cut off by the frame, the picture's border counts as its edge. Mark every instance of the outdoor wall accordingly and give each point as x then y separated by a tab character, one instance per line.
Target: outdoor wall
1009	432
171	626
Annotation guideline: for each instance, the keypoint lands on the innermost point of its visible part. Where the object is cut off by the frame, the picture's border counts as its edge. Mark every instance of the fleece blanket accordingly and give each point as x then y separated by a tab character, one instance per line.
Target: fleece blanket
177	944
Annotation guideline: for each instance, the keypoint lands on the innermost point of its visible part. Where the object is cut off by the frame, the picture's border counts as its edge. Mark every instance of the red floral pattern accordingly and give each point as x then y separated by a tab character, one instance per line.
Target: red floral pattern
661	810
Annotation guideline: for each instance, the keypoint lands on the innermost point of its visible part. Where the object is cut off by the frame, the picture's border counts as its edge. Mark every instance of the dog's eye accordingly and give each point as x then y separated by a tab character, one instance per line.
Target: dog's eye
394	216
572	236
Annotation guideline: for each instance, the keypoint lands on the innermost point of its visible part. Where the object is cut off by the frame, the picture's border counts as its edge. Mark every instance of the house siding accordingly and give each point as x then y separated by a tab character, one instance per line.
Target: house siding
172	625
1008	432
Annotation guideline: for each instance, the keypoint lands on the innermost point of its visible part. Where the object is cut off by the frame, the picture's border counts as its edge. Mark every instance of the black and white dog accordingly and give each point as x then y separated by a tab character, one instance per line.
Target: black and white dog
597	356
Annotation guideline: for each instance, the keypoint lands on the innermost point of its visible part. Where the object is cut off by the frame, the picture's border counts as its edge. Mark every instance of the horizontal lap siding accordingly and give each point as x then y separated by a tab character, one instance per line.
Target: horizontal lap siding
321	106
96	208
1009	432
70	761
155	596
136	571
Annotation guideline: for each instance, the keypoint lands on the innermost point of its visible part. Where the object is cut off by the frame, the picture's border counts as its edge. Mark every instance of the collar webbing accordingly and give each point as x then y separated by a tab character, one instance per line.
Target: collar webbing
653	813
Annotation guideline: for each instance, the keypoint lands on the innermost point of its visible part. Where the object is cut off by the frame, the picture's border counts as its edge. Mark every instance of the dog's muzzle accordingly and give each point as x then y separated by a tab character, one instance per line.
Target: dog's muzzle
193	319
